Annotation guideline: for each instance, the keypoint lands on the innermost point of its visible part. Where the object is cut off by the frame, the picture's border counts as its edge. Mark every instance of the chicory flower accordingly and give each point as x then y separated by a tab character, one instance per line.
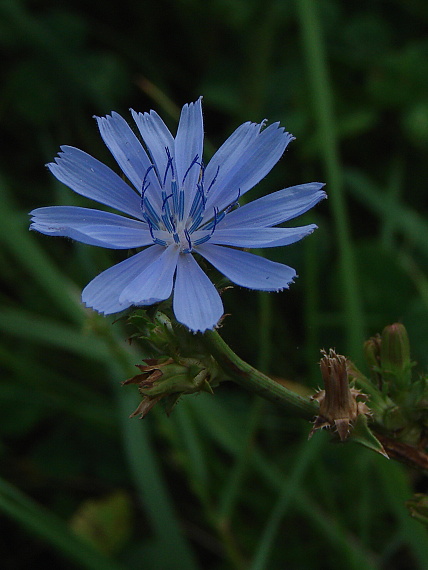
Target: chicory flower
176	207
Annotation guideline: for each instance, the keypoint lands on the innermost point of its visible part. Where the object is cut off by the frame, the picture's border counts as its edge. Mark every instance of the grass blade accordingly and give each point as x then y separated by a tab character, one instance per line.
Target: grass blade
51	529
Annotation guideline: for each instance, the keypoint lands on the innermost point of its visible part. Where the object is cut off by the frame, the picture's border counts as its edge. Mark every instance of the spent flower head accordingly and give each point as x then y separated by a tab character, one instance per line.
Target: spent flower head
176	207
340	405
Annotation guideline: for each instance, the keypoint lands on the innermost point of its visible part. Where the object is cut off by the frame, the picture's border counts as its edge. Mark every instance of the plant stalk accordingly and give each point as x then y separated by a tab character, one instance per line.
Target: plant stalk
255	381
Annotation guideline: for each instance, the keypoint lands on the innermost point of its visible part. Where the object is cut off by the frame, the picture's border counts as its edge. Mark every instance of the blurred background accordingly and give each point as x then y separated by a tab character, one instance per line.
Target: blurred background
227	481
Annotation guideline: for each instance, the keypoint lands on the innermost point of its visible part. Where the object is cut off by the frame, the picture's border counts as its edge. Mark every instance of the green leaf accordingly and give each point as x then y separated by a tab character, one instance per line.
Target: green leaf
362	434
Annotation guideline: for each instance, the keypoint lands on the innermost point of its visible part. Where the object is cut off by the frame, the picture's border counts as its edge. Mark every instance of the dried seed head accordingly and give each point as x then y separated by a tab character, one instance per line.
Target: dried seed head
340	405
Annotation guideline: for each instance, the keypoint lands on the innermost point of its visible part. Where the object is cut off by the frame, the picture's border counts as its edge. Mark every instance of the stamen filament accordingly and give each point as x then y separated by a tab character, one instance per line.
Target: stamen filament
189	241
175	194
167	222
165	204
197	200
169	165
154	238
181	205
195	224
143	186
202	239
194	161
233	204
213	180
150	213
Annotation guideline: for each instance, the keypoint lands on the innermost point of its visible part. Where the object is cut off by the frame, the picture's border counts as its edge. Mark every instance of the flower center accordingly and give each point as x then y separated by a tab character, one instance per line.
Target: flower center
171	220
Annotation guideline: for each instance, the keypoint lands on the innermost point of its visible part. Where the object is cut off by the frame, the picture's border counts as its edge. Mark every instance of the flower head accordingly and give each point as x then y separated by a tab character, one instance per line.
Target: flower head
178	207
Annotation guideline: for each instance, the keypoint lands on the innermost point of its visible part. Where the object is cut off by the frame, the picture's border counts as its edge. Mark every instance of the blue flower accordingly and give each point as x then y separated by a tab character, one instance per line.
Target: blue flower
179	207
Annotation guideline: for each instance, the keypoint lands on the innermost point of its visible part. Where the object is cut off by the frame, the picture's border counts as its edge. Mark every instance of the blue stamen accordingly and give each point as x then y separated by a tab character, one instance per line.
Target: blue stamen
202	239
150	213
233	204
201	178
168	166
197	215
165	205
195	224
144	187
142	200
189	241
196	206
180	205
206	237
216	215
201	192
167	220
213	222
174	229
218	219
213	180
208	225
155	239
198	209
174	189
194	161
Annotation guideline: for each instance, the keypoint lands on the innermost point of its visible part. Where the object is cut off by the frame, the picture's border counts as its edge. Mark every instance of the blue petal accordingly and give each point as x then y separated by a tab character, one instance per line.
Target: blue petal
229	154
157	137
155	282
102	293
252	164
197	303
248	270
277	207
188	147
260	237
126	149
93	179
93	227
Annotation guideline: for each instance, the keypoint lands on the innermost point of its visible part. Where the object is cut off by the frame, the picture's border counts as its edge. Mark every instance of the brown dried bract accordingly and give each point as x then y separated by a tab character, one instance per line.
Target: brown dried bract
340	405
150	372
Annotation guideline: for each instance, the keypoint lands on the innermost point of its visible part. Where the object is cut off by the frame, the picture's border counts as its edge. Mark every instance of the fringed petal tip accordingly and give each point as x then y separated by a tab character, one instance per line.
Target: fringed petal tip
321	185
203	330
287	286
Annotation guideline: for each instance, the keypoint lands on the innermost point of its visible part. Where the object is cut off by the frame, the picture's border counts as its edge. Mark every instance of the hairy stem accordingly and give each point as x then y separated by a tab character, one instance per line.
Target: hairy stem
252	379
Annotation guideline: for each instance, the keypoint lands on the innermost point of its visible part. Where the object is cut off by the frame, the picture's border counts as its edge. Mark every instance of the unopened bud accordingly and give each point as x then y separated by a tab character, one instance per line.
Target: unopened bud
372	354
395	355
170	378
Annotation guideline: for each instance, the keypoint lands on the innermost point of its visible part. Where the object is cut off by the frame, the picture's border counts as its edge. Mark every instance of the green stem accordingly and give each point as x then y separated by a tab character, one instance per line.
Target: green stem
254	380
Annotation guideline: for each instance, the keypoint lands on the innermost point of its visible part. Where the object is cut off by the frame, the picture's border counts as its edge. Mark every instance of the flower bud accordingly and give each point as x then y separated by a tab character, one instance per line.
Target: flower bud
372	354
170	378
395	356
